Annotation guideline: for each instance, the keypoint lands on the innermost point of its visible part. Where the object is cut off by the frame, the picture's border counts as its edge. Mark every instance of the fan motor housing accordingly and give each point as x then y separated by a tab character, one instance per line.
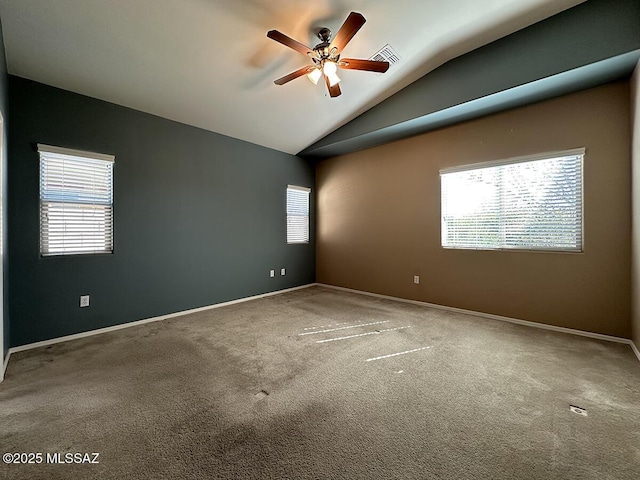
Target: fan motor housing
324	34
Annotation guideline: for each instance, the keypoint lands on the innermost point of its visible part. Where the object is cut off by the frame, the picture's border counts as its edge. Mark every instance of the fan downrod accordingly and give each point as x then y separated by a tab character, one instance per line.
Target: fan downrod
324	34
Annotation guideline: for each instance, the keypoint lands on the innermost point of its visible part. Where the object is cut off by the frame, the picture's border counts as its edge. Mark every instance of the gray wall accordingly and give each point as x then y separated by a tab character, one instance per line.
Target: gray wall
5	259
199	217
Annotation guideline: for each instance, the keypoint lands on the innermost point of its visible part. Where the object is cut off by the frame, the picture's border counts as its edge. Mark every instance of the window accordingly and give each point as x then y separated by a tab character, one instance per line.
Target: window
76	201
297	214
529	203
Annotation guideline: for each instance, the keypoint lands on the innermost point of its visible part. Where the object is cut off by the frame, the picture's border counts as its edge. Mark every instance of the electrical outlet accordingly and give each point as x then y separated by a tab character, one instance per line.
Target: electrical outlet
283	271
416	279
84	300
272	273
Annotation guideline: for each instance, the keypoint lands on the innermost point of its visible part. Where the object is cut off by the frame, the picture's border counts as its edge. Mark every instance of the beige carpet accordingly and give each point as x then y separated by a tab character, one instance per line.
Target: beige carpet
304	385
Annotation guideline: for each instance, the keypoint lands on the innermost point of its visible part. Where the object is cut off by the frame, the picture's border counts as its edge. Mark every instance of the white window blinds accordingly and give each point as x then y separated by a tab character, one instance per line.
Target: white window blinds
76	201
297	214
530	203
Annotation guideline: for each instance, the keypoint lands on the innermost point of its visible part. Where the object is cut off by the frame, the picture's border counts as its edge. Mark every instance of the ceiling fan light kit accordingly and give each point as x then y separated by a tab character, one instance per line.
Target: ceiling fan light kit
329	69
326	55
315	75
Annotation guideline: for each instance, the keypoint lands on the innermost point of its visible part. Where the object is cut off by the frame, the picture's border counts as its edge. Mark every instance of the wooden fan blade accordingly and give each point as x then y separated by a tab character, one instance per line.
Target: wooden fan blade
333	91
294	75
368	65
349	28
289	42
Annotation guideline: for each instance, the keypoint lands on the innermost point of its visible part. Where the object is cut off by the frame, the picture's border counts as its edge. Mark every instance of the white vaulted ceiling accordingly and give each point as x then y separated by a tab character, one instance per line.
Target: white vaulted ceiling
208	63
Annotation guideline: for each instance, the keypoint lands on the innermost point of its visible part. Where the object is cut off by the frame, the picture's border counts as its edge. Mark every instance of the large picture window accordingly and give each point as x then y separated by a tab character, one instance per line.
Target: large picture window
528	203
297	214
76	201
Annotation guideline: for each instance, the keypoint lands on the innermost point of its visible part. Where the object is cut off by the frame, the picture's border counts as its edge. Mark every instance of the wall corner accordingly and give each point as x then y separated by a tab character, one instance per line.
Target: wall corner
635	207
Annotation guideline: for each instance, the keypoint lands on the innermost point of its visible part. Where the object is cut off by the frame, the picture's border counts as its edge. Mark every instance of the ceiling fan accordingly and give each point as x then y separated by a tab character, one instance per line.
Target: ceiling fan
326	55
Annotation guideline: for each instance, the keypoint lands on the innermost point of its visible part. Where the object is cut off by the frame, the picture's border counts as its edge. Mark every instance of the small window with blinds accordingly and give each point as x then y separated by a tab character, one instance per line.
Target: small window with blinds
297	214
76	202
527	203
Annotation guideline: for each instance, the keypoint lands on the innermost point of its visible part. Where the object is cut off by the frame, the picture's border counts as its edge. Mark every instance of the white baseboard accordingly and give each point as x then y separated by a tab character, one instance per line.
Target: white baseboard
634	347
113	328
4	365
491	316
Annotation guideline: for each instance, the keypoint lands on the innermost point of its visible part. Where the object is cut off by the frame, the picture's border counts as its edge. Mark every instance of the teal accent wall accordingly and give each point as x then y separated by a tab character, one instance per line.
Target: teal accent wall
200	218
538	57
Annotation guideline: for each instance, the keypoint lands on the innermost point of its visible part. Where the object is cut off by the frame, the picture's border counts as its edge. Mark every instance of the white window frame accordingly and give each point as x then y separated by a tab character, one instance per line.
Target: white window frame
89	202
298	228
579	248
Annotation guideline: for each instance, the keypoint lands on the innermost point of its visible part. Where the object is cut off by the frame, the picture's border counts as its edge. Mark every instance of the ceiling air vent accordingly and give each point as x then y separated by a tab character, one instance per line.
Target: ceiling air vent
386	54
